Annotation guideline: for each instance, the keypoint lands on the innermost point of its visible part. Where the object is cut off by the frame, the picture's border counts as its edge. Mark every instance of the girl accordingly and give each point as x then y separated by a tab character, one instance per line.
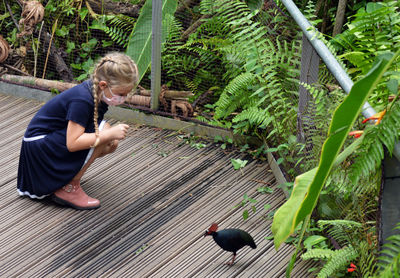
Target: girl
68	133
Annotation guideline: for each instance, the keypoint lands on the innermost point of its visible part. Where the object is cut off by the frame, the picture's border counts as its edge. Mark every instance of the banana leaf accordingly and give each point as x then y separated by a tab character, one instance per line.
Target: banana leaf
139	45
308	186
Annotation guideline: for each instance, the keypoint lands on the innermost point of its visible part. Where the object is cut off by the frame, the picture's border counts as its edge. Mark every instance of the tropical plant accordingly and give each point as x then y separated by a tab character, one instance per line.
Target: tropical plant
341	230
139	46
389	259
336	260
372	31
377	139
309	185
117	27
350	244
261	72
192	63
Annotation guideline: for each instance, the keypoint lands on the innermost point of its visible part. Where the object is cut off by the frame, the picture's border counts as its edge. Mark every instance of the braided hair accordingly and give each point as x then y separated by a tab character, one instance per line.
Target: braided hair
117	69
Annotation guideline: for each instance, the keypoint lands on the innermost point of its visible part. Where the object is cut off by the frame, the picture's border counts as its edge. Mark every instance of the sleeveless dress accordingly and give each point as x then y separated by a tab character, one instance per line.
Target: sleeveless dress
45	164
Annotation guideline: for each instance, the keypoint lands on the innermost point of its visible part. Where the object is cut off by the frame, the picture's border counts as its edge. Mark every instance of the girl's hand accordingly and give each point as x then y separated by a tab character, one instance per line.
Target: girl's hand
119	131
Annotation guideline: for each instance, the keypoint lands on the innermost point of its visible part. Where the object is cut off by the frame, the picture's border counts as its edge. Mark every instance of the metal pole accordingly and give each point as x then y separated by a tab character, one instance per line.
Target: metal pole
325	54
156	53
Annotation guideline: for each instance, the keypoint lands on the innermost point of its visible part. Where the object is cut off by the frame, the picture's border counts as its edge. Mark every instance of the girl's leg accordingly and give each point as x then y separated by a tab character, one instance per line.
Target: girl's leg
72	194
99	151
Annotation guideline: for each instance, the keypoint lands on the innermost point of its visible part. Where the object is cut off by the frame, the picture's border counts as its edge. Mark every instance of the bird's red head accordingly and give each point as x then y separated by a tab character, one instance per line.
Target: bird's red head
212	229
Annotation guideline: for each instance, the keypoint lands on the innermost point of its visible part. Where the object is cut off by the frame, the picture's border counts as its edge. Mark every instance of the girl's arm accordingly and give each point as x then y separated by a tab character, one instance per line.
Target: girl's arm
78	140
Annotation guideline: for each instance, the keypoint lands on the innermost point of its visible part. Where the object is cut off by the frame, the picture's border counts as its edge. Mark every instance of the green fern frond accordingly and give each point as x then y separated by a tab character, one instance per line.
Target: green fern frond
338	262
371	33
226	10
318	253
119	27
391	270
202	119
371	151
207	43
367	261
341	230
329	45
255	116
210	27
273	64
233	95
319	96
310	12
191	85
339	223
315	119
172	27
389	260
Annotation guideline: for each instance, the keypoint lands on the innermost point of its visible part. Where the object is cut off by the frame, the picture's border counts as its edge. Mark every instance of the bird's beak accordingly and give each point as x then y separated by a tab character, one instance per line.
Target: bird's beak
206	233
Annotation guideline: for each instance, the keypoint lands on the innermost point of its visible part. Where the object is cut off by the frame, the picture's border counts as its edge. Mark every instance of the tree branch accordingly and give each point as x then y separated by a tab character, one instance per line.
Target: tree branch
103	6
12	15
341	10
192	28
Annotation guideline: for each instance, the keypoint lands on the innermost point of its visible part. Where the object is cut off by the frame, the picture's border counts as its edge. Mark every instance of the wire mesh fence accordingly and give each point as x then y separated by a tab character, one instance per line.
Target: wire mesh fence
228	63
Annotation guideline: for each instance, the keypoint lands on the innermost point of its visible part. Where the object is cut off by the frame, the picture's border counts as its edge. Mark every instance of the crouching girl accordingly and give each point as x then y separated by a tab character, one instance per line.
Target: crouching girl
68	133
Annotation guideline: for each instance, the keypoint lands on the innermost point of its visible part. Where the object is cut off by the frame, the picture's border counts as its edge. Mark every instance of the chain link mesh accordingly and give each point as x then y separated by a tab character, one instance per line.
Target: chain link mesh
67	37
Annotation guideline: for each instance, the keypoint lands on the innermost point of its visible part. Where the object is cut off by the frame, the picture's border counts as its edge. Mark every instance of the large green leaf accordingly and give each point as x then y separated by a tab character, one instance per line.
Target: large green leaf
308	186
139	46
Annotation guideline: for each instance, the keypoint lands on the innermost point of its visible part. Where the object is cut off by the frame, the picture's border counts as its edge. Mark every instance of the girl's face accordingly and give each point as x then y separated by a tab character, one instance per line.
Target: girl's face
117	90
116	95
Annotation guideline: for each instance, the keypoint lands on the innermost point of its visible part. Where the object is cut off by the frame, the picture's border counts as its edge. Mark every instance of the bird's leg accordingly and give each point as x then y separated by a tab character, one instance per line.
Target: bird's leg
233	259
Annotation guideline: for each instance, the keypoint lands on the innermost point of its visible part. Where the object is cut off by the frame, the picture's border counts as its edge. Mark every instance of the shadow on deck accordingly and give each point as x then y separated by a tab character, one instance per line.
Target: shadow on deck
158	196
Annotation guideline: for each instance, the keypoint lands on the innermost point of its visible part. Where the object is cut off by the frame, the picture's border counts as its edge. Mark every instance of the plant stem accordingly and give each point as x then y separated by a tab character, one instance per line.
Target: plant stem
35	47
48	50
298	247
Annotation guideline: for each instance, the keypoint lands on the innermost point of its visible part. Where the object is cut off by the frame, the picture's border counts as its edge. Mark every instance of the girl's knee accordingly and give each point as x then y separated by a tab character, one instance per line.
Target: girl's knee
107	126
109	148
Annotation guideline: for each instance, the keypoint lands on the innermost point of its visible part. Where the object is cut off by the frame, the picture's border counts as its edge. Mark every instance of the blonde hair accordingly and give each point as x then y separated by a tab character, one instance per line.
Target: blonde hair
117	69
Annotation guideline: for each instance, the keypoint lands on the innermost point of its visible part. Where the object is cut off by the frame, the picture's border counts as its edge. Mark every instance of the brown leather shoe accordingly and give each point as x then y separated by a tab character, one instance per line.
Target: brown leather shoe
73	195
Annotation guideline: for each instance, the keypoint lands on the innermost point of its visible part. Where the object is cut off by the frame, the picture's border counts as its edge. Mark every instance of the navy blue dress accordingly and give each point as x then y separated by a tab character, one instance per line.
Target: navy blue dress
45	163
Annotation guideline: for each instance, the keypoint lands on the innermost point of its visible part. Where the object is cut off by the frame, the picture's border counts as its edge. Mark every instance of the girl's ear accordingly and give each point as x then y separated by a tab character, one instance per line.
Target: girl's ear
102	85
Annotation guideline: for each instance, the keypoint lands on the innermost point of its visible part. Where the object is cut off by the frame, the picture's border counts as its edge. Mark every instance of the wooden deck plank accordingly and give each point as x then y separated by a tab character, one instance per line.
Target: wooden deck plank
158	194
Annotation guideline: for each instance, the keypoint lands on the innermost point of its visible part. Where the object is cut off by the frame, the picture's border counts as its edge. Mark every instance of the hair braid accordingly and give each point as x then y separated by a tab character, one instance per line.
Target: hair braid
95	92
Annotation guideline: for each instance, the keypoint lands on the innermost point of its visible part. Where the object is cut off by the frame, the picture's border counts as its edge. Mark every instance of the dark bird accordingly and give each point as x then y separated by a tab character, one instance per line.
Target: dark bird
230	239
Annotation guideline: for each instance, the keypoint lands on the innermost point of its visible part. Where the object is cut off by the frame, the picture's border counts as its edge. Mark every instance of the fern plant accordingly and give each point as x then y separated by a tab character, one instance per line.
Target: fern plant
234	95
258	72
373	31
389	260
261	70
377	137
344	201
191	64
345	232
118	28
336	260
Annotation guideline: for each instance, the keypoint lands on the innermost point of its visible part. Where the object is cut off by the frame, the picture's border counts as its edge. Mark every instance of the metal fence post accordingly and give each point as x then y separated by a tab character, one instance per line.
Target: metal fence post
156	53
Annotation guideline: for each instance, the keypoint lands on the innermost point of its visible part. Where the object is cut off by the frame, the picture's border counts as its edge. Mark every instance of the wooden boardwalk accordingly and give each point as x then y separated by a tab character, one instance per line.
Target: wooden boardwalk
158	196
